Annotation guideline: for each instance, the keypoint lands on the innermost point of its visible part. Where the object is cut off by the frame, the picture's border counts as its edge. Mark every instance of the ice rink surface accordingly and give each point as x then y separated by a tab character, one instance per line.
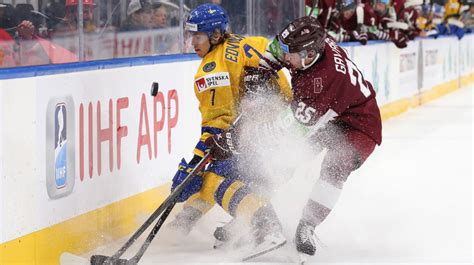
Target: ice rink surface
410	203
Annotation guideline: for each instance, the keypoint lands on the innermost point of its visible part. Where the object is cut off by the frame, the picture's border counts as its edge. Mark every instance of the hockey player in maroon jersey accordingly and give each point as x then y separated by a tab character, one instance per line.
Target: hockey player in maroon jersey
343	24
356	19
386	23
322	9
408	12
331	100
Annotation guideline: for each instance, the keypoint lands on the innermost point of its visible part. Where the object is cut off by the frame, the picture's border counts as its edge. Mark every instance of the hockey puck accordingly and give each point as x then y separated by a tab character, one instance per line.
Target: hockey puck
154	89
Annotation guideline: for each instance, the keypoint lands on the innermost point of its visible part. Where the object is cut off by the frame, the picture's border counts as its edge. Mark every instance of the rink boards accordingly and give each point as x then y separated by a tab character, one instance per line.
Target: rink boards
87	153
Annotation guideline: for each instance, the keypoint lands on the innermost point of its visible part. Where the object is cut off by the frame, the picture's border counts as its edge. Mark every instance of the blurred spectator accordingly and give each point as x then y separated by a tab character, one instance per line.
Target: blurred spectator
445	20
452	18
139	16
7	45
452	8
166	40
467	17
323	10
357	19
160	16
26	12
8	21
385	28
55	13
351	23
70	22
407	12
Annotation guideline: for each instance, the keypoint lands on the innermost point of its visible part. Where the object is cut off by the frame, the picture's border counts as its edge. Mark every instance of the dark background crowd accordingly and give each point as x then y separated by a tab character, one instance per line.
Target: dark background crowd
392	20
50	31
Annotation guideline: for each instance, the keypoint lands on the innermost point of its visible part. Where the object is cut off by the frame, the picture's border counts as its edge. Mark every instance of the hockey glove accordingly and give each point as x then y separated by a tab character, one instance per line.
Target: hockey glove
340	36
362	37
455	30
223	145
411	34
442	29
275	49
398	38
272	59
379	35
193	187
260	81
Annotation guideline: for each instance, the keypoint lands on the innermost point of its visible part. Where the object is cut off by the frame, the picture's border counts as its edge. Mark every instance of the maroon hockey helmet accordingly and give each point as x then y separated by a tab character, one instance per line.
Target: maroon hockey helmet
302	35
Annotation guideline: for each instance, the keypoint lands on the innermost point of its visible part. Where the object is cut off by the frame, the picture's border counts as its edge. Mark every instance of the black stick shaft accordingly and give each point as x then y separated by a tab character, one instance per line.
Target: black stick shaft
152	234
166	203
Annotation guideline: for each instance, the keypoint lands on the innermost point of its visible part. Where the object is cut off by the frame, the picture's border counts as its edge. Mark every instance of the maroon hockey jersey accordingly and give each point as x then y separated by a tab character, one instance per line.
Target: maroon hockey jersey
367	17
334	88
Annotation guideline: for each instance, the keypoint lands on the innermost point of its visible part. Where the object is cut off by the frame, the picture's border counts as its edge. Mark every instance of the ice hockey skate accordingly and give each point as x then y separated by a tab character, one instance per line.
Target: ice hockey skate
180	227
266	233
305	240
228	235
268	243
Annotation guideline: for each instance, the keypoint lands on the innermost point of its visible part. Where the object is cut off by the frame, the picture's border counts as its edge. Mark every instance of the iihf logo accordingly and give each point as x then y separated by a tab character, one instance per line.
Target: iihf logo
60	145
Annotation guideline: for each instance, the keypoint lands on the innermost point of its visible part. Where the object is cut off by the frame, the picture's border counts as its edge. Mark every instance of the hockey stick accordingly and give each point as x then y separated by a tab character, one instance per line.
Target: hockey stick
101	259
164	208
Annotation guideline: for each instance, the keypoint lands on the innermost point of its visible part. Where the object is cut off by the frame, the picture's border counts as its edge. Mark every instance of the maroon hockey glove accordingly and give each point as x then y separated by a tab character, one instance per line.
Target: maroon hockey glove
379	35
411	34
260	81
398	38
223	145
361	37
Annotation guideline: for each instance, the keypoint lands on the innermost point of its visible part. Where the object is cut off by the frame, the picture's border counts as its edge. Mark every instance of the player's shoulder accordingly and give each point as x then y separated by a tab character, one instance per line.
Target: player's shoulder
238	42
334	62
256	41
332	49
211	64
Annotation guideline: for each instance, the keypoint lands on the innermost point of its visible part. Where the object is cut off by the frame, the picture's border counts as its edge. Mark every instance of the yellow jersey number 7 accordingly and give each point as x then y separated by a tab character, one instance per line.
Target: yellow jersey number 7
248	49
213	97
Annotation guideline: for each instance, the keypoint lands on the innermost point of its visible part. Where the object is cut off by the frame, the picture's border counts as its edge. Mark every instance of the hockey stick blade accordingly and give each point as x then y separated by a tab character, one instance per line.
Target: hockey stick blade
104	260
168	202
264	252
101	259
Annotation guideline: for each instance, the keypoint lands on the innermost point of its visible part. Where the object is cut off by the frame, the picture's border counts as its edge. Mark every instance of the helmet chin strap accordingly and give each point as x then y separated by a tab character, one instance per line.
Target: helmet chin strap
304	67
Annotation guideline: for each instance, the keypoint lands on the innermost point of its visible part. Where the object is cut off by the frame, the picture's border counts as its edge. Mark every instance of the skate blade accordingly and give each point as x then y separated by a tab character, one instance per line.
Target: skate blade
101	259
258	254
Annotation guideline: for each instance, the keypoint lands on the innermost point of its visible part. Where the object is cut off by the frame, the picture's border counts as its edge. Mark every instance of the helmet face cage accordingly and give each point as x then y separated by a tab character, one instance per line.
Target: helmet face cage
207	18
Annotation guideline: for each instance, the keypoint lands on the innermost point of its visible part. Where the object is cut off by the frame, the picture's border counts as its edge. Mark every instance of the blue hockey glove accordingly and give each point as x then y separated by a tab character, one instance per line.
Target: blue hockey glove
193	187
442	29
455	30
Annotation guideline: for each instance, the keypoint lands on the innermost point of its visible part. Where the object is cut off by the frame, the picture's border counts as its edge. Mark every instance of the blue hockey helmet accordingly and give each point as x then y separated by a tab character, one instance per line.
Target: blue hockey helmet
207	18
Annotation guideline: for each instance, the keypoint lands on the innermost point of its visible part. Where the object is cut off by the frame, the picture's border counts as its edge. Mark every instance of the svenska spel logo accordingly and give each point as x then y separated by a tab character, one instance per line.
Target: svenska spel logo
60	147
201	84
